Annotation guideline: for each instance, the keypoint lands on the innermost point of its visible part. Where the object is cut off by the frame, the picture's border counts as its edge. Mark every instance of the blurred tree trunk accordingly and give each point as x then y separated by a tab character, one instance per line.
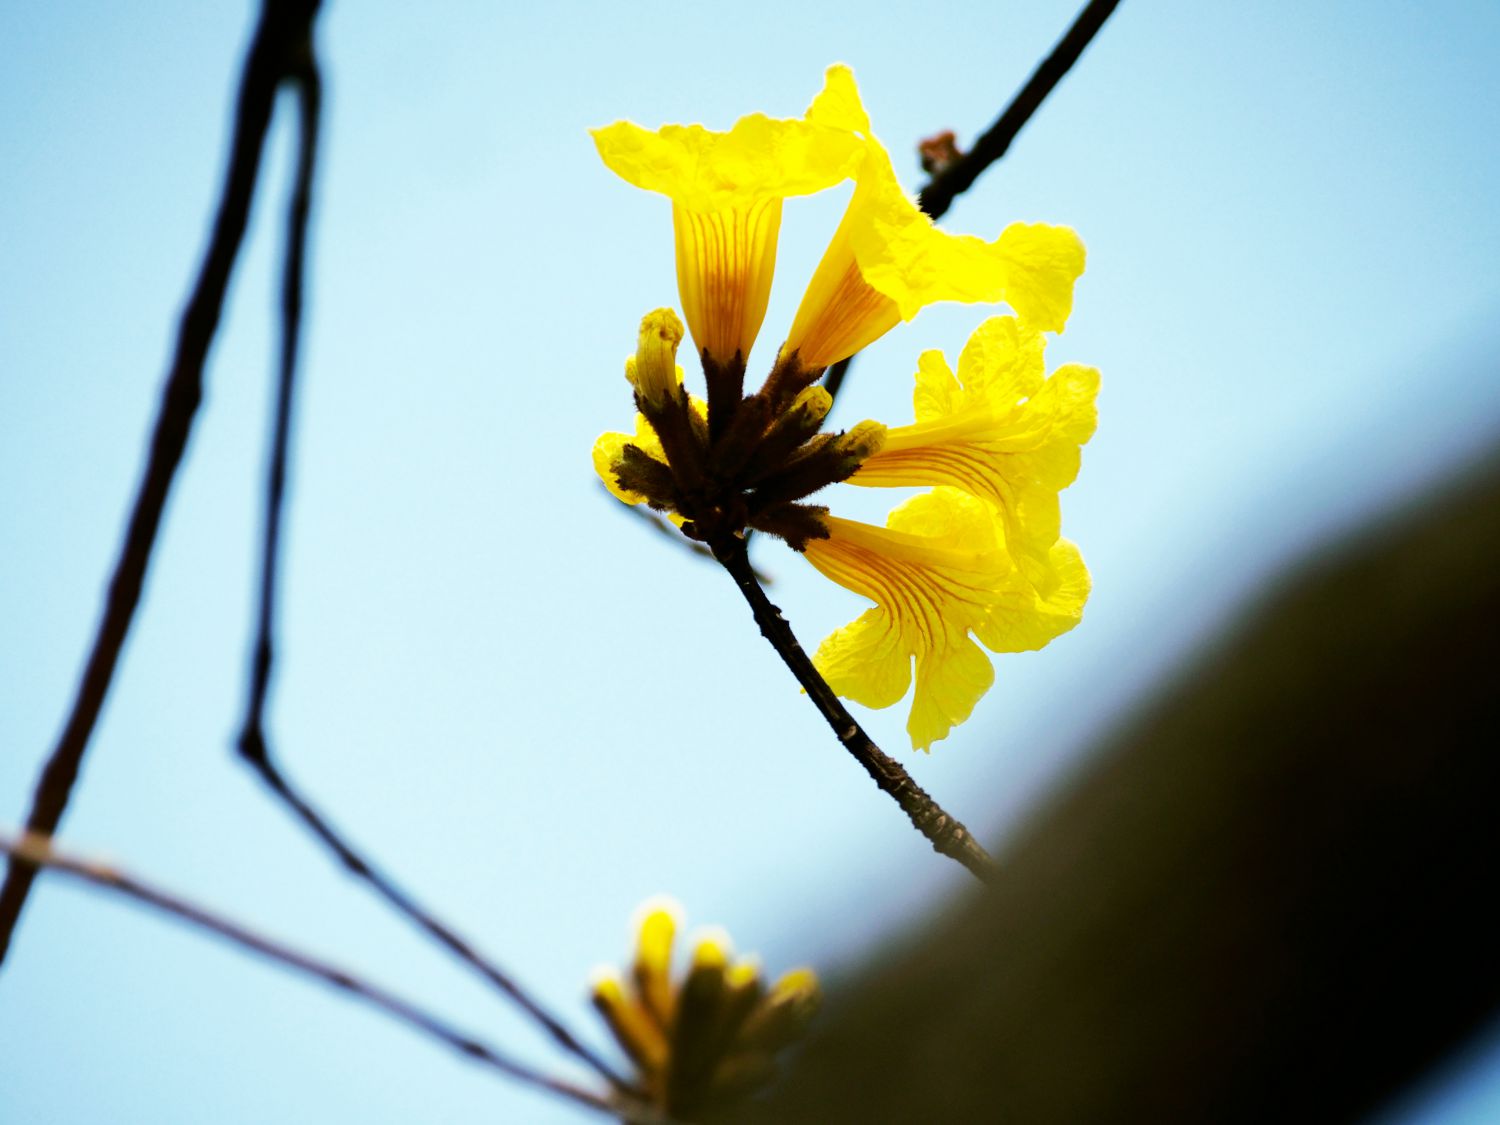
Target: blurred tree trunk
1270	900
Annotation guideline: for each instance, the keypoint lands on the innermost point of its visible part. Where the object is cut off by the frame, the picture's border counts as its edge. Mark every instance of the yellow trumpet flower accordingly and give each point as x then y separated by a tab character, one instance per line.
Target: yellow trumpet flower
939	576
1000	429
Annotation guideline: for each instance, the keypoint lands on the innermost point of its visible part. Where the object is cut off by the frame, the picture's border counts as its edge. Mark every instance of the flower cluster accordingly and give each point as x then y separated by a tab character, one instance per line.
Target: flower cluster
977	557
710	1037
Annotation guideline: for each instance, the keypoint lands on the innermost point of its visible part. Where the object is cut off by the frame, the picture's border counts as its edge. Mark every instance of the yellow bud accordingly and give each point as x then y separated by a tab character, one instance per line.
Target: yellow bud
642	1040
813	403
785	1013
656	929
864	440
712	949
653	368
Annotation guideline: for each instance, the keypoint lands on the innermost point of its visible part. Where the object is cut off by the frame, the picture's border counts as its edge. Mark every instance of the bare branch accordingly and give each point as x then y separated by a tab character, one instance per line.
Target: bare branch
37	851
958	176
254	745
283	24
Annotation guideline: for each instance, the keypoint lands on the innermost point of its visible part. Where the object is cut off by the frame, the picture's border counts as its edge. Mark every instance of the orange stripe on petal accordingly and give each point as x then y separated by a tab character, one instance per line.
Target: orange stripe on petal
725	262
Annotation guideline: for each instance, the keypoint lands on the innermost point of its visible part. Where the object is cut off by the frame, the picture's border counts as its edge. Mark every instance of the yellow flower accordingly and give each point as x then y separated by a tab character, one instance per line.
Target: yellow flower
726	191
887	260
977	559
709	1038
937	573
1001	429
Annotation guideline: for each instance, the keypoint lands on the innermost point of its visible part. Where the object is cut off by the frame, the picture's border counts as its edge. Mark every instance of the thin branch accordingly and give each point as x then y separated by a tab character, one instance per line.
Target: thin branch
404	904
37	851
940	191
253	742
282	22
946	834
958	176
308	85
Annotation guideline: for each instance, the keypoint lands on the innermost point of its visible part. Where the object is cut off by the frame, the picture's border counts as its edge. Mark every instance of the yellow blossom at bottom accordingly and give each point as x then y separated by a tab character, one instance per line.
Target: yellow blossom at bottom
709	1038
937	573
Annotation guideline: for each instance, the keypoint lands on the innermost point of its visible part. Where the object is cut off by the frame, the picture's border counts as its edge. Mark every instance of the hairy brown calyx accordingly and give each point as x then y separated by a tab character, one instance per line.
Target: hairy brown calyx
747	461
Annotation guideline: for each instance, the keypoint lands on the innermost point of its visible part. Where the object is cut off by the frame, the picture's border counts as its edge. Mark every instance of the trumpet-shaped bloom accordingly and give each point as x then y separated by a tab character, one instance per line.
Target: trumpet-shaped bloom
726	191
887	260
976	562
1000	429
937	573
709	1038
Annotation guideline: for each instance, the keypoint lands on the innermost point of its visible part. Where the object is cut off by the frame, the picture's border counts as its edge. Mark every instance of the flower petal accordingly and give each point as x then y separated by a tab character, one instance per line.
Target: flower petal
934	575
887	260
864	661
1003	359
1043	263
999	431
1023	621
725	262
838	105
937	393
950	681
759	158
726	191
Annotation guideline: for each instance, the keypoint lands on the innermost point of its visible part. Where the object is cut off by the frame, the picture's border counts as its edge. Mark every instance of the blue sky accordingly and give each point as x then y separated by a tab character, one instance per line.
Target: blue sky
535	711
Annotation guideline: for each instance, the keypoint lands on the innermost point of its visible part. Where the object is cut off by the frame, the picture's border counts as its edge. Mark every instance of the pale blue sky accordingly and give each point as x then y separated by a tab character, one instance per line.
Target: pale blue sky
534	710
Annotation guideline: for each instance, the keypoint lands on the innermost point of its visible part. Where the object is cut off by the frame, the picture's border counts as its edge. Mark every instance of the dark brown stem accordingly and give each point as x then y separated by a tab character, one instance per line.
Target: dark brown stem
946	834
254	745
37	852
403	903
939	193
283	23
307	82
957	177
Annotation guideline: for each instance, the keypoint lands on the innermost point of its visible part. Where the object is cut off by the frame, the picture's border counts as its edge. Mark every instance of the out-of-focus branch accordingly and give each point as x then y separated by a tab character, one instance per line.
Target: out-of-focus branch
958	176
945	833
1270	897
37	851
307	82
283	25
398	898
254	745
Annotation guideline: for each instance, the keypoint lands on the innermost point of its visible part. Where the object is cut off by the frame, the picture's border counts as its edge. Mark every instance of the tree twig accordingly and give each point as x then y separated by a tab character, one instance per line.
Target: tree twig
282	23
945	833
37	851
940	191
398	898
253	743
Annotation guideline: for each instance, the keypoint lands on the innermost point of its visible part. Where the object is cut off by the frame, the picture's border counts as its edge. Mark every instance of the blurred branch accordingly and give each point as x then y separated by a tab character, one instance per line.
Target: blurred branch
946	834
404	904
284	24
37	852
957	176
307	83
1269	898
254	746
